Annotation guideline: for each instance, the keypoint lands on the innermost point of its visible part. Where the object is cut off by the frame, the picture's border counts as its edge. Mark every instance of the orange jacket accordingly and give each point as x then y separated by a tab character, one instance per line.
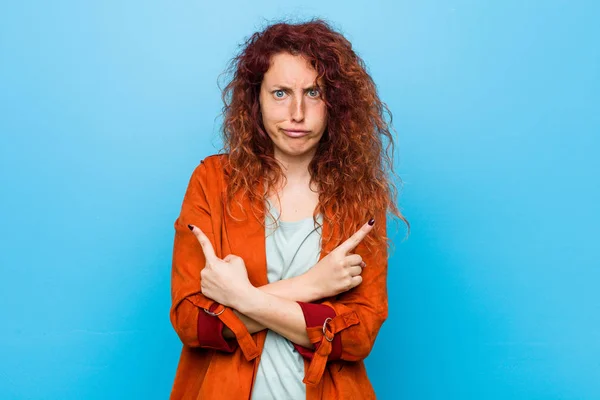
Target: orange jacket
211	367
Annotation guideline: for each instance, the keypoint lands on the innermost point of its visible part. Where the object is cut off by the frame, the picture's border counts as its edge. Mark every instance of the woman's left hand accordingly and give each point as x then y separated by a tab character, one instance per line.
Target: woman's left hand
222	280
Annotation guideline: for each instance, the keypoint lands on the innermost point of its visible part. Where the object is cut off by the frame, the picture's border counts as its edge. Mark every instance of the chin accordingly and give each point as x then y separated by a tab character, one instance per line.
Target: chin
297	151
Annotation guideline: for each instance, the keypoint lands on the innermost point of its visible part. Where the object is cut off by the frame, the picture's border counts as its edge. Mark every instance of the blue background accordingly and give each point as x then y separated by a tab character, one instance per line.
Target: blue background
107	107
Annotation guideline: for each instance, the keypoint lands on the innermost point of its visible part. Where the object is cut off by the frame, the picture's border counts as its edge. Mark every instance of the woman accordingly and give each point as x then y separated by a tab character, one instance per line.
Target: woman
279	290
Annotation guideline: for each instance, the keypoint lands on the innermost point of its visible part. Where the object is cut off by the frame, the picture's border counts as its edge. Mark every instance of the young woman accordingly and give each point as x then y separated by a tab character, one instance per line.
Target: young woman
280	254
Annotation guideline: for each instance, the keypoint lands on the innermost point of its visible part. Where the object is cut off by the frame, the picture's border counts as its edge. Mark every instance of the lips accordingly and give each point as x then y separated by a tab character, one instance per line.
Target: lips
295	133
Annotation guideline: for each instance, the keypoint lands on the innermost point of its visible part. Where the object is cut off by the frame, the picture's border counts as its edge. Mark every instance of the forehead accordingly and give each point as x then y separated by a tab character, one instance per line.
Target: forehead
290	71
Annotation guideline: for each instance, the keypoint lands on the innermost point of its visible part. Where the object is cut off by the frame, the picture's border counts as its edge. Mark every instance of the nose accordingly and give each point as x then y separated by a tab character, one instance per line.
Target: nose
297	109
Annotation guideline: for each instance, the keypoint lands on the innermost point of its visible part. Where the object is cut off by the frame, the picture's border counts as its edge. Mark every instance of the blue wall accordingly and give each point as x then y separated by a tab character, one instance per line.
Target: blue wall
107	107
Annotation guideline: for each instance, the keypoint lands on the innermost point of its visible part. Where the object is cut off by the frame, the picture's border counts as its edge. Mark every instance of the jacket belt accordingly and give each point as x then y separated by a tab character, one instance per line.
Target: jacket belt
324	336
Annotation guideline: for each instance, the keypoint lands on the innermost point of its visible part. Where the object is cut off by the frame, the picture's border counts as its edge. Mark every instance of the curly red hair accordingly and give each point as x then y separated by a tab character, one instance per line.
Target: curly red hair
351	167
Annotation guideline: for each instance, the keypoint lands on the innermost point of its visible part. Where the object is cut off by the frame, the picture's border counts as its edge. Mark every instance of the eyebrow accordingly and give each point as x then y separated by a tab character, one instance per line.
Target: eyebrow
290	89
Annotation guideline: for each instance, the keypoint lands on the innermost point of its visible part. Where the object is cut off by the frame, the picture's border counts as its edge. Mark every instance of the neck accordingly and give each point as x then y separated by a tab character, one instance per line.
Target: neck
295	168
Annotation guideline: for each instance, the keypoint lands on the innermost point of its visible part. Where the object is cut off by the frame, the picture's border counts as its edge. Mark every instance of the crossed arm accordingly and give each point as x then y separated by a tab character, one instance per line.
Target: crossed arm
264	310
277	306
294	289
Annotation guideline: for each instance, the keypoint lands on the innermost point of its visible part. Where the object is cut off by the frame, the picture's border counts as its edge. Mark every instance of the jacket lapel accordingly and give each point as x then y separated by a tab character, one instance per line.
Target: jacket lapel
245	234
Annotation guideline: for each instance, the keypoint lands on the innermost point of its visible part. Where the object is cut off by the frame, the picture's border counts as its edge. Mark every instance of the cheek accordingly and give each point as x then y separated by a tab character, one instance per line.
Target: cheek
272	114
320	113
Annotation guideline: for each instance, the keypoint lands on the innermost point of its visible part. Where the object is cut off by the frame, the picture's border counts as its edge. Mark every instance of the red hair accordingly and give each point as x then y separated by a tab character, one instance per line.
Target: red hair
351	167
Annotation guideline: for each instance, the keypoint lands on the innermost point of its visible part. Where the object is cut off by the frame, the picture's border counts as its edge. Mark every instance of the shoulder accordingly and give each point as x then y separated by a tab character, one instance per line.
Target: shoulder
208	177
213	165
215	158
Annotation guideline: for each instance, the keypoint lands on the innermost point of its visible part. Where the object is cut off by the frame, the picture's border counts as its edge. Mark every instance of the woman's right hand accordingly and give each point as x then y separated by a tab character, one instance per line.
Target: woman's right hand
339	271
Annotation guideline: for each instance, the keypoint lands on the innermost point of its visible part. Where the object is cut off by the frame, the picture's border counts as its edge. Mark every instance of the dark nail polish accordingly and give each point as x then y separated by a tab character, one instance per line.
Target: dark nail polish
371	221
191	227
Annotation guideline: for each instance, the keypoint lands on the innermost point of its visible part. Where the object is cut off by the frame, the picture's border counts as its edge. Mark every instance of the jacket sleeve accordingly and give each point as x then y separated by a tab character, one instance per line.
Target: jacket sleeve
194	326
345	328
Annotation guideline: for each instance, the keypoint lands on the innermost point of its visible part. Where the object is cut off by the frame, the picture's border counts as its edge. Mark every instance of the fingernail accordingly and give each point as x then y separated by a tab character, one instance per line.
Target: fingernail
191	227
371	221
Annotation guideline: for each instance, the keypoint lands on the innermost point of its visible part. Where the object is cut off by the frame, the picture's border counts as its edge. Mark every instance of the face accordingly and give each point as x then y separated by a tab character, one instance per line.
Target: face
293	111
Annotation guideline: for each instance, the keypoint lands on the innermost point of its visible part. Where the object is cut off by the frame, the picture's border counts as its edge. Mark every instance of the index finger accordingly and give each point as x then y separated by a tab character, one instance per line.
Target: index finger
207	247
358	236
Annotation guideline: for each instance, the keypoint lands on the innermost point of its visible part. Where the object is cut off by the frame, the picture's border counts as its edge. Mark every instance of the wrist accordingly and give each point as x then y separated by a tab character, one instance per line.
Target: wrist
245	299
310	286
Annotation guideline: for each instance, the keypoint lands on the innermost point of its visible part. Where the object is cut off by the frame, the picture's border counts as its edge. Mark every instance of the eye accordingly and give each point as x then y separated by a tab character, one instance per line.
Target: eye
279	94
314	93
